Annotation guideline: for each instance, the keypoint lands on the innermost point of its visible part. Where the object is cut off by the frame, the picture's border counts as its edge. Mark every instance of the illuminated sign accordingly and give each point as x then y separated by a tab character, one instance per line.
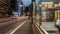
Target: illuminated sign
47	3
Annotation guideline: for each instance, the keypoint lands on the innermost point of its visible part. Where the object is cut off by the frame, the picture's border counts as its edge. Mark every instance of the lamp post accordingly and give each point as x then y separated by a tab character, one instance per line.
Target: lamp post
21	6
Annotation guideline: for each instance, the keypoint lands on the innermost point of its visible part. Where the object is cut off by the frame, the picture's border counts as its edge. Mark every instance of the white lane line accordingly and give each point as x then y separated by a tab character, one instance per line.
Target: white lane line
17	27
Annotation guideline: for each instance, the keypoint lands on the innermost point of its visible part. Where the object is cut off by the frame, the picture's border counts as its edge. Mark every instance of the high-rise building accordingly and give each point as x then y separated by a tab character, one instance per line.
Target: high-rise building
4	6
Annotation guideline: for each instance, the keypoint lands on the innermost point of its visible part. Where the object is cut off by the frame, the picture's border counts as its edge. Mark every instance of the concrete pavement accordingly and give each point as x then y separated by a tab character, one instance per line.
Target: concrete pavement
25	29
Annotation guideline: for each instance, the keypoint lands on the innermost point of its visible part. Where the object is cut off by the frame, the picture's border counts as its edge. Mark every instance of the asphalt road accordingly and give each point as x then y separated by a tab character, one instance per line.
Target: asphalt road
3	20
7	25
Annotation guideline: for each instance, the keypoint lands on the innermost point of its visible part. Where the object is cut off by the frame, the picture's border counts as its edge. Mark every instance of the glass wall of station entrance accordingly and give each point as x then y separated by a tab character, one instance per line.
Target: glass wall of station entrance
46	15
42	14
46	12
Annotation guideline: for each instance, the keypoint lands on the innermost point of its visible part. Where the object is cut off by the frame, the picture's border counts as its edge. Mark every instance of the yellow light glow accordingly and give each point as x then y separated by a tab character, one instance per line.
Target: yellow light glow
50	5
56	5
45	5
58	13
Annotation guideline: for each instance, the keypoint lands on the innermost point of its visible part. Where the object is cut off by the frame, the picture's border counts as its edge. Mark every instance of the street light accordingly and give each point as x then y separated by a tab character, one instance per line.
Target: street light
23	8
21	5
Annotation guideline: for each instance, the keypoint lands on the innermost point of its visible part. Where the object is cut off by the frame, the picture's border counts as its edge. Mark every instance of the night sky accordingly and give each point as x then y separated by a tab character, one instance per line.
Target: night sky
26	3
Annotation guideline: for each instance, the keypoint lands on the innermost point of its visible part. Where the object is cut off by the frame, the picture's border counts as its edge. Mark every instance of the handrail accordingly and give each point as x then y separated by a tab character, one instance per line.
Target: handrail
39	29
42	31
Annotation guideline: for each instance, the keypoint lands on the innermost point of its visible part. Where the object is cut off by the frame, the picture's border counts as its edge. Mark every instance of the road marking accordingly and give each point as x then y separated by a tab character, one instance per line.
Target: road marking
17	28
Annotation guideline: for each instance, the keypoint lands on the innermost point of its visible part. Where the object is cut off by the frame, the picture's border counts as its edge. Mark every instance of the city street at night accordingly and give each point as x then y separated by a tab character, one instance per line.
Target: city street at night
29	16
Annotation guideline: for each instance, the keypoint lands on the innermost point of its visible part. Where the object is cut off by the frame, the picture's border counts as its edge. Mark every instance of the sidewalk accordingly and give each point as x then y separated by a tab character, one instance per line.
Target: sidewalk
25	29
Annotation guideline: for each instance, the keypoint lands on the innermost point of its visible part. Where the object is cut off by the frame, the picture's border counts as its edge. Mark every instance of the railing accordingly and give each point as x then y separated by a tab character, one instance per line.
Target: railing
38	30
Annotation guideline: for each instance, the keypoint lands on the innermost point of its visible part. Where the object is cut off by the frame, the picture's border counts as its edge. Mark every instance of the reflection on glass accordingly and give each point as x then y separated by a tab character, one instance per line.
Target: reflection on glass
47	18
